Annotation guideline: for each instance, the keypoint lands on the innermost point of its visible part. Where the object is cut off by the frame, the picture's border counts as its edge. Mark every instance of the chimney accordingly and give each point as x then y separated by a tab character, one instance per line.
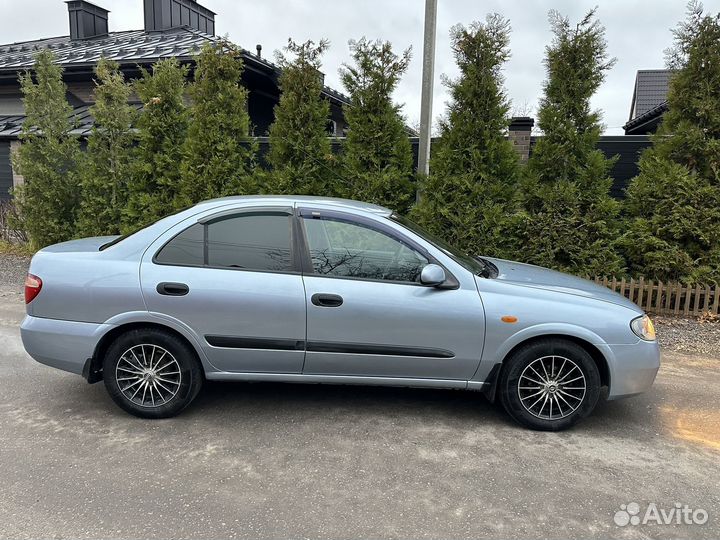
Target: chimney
161	15
87	20
519	134
258	48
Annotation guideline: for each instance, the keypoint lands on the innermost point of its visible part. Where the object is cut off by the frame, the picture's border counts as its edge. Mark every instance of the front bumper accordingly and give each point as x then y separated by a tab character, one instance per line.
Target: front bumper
60	344
632	367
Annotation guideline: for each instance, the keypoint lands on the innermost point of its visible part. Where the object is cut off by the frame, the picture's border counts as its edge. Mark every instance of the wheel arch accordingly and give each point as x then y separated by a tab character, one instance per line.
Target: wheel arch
595	353
93	367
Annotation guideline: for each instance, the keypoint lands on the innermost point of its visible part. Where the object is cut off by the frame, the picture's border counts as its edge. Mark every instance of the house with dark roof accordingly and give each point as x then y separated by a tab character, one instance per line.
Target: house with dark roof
649	101
172	29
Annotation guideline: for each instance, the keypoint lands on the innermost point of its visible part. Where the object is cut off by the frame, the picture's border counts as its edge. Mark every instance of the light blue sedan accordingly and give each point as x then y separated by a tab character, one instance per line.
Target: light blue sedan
316	290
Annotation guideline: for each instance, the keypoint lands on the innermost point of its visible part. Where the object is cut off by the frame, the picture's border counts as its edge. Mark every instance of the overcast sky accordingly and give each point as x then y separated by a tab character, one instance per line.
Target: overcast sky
638	31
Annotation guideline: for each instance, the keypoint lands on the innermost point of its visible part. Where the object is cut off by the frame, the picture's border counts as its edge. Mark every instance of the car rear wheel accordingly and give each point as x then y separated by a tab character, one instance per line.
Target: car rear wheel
550	384
150	373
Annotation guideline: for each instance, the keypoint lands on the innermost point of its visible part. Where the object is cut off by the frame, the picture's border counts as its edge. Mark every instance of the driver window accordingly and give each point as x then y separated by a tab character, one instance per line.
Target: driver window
345	249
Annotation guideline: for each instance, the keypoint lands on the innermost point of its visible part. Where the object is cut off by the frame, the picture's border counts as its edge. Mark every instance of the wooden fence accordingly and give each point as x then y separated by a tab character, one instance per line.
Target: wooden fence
667	298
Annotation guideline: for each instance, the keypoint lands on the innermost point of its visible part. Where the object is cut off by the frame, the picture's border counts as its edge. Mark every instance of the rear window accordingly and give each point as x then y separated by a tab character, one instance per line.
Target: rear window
137	230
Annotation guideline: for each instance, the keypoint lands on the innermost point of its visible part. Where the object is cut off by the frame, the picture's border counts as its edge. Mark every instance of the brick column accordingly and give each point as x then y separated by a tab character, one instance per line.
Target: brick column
519	135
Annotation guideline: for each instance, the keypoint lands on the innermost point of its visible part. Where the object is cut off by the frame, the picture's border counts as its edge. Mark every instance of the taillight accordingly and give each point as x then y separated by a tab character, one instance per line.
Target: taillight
33	284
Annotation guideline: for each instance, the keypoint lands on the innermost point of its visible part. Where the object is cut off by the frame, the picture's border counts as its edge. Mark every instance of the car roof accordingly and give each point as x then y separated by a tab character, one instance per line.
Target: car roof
294	200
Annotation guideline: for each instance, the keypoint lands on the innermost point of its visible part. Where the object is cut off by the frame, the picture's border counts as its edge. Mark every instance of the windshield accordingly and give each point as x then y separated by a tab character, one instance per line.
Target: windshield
476	265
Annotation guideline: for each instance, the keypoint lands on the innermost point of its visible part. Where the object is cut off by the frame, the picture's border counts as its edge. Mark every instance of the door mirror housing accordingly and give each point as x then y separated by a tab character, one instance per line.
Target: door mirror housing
432	275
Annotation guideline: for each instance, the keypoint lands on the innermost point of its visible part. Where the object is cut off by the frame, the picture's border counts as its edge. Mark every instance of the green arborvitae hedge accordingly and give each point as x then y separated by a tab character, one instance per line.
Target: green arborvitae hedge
571	222
300	156
48	199
673	205
105	167
469	196
154	186
219	157
377	156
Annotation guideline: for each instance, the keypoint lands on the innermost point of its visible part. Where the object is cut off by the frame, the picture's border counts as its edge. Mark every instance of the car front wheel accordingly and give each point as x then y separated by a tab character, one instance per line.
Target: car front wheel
550	384
150	373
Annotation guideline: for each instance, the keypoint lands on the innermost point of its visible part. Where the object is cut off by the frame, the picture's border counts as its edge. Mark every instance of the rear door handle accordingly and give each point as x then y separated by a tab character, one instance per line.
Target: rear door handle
327	300
173	289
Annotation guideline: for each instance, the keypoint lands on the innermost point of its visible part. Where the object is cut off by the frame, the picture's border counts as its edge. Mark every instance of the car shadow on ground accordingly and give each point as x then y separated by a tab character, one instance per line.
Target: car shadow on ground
344	399
220	401
268	399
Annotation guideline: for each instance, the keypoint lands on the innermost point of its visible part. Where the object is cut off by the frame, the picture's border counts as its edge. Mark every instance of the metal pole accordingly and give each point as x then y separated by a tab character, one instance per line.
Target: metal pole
427	86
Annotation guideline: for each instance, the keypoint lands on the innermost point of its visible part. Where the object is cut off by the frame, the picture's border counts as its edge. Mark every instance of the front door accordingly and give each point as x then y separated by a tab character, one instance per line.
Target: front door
367	313
233	279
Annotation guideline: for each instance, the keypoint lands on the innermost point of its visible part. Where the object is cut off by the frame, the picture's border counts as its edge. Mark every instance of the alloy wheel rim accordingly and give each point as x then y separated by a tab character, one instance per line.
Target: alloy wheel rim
552	387
148	375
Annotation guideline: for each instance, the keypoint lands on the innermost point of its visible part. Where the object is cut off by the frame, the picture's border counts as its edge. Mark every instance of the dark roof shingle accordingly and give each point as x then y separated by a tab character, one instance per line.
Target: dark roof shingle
651	89
82	120
126	47
135	46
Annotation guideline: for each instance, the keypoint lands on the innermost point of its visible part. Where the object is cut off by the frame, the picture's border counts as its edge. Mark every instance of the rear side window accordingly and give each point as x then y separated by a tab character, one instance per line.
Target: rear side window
245	241
253	242
186	249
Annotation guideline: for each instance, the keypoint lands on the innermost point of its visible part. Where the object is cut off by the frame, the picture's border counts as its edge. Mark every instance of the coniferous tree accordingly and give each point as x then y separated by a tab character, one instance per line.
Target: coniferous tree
468	197
219	158
674	203
162	127
300	154
377	156
106	165
47	200
571	220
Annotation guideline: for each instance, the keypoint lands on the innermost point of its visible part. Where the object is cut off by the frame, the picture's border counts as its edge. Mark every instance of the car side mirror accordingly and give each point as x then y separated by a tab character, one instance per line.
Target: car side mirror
432	275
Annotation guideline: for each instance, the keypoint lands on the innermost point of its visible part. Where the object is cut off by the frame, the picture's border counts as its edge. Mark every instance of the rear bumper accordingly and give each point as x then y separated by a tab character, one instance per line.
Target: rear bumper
632	368
60	344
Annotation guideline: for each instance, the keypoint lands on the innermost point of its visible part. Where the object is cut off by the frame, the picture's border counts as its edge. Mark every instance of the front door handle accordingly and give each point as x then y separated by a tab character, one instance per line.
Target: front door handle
327	300
173	289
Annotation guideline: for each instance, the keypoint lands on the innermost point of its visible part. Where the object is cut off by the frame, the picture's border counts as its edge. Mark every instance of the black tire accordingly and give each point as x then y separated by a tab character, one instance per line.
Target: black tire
550	350
186	384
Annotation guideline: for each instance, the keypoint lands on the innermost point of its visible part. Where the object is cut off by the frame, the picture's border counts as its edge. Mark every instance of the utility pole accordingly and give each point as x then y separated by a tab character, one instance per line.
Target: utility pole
427	86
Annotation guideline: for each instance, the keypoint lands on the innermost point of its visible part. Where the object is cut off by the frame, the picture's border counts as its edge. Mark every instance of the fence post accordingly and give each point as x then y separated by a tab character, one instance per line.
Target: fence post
706	303
641	290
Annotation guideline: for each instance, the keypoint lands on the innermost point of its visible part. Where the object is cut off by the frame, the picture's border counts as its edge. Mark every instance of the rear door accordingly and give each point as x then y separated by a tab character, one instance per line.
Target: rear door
234	280
368	314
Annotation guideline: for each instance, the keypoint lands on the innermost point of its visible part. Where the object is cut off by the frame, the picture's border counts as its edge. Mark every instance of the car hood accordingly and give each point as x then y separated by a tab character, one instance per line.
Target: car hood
82	245
528	275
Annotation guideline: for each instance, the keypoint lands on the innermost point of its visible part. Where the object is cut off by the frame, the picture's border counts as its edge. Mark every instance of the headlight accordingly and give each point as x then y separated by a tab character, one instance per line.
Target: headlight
643	328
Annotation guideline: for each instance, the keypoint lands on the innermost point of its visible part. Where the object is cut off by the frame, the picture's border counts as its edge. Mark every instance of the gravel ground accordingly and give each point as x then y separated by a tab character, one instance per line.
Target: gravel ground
684	335
12	273
688	336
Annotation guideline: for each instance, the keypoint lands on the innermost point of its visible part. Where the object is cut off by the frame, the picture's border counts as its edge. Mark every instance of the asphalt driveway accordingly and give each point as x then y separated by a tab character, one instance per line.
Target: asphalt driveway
279	461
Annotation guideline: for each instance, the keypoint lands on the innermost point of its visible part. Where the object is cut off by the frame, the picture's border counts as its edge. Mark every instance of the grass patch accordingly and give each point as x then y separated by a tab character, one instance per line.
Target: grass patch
20	250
